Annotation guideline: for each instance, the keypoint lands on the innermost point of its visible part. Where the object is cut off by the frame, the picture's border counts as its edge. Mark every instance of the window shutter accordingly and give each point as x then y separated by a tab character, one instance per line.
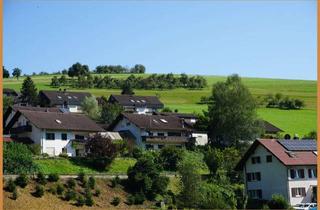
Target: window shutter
293	192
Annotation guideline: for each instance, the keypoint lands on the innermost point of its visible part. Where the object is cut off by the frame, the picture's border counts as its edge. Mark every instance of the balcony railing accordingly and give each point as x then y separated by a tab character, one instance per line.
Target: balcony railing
165	139
21	129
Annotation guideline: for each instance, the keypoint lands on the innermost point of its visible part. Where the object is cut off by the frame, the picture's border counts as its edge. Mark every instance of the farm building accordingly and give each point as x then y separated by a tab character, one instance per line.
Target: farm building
56	132
137	104
286	167
69	101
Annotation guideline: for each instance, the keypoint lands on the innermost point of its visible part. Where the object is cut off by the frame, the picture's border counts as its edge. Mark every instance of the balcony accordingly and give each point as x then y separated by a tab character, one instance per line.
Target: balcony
21	129
165	139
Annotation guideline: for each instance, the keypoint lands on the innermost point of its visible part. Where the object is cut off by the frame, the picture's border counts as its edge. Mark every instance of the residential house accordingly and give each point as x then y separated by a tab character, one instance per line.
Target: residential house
137	104
55	132
69	101
286	167
270	129
9	92
153	131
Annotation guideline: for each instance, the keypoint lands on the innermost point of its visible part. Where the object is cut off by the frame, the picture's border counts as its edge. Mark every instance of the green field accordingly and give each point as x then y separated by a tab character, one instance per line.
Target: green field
293	121
66	166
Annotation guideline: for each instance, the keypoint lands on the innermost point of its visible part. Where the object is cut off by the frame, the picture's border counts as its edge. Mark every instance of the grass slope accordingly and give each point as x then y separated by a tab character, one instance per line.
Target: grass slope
299	122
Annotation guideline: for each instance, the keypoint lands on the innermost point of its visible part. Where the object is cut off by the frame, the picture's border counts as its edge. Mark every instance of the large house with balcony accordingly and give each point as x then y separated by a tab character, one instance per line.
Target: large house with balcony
153	131
137	104
54	131
286	167
68	101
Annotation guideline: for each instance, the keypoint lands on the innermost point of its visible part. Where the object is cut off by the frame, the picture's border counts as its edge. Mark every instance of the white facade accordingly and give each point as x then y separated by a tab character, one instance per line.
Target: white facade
275	178
72	108
201	138
52	147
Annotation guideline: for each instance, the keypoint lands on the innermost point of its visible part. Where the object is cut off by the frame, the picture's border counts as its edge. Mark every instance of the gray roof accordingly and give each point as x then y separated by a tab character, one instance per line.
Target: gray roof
62	97
137	101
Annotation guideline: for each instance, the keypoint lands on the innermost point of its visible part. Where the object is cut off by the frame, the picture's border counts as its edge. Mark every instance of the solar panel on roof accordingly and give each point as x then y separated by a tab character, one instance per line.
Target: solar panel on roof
299	145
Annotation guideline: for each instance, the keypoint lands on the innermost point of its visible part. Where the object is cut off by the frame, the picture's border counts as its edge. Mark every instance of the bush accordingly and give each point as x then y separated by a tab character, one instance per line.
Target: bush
35	149
71	183
170	157
22	180
89	201
80	200
97	193
11	186
41	178
39	191
81	176
115	181
53	190
63	155
53	177
136	199
137	152
17	159
15	194
70	195
92	182
115	201
278	202
60	189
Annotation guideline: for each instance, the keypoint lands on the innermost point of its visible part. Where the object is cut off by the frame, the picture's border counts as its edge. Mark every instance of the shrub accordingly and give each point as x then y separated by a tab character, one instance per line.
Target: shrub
80	200
97	193
53	190
11	186
63	155
71	183
53	177
70	195
92	182
278	202
39	191
17	159
60	189
15	194
22	180
170	157
41	178
81	176
115	201
89	201
136	199
115	181
137	152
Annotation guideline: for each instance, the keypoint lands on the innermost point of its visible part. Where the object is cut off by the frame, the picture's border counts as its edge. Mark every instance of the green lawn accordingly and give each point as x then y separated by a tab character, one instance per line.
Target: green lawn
66	166
300	122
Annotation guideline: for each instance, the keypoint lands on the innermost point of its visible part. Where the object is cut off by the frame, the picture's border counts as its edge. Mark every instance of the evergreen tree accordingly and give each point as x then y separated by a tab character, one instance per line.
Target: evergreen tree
29	92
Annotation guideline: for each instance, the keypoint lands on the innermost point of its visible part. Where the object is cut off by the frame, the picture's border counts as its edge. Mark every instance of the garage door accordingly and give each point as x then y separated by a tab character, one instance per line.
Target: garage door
50	151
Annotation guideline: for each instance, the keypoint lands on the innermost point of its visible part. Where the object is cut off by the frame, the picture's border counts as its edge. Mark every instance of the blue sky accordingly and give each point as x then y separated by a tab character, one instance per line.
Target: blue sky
274	39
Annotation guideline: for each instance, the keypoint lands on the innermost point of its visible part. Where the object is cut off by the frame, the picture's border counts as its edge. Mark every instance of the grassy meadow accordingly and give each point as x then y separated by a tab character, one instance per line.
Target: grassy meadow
298	122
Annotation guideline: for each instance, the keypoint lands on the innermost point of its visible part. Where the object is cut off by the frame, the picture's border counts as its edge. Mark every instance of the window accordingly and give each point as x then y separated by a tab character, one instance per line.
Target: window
301	173
149	146
312	173
128	123
160	134
50	136
255	160
64	136
269	158
251	177
255	194
174	134
160	146
298	192
292	173
79	137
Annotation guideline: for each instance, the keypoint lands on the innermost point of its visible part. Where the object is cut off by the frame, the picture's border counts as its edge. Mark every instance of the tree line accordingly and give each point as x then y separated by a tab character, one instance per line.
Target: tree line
154	81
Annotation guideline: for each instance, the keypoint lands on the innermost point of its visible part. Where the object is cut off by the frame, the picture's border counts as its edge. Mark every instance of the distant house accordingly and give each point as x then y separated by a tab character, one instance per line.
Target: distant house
56	132
137	104
154	131
271	129
187	117
70	101
286	167
9	92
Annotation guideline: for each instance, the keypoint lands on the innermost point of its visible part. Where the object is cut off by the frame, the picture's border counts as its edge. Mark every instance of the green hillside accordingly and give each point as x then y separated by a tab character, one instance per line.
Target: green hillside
291	121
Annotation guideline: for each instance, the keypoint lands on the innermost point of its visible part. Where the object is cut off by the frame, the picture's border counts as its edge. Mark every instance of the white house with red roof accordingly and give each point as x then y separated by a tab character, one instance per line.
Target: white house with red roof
286	167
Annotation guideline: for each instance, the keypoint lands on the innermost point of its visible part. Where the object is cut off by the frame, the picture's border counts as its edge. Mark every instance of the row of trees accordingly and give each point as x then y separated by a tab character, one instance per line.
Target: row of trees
118	69
283	102
16	72
154	81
